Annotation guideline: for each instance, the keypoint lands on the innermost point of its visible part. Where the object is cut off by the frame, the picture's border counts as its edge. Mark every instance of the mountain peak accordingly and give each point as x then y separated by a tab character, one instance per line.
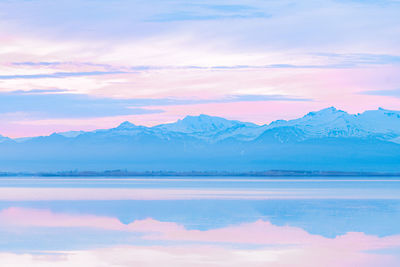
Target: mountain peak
200	123
3	138
387	110
332	109
71	134
201	118
126	125
326	111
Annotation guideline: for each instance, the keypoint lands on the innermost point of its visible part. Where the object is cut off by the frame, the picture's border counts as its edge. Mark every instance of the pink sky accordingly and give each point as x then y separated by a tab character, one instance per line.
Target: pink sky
207	52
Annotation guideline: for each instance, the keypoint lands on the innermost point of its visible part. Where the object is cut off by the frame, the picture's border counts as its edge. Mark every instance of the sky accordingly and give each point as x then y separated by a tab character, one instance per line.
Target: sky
84	65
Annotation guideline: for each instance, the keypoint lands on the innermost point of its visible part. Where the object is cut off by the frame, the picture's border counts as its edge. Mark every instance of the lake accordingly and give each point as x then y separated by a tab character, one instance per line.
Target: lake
201	221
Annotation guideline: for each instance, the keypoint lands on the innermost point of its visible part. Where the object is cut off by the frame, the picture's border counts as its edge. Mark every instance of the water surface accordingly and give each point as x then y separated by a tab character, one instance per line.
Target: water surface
215	220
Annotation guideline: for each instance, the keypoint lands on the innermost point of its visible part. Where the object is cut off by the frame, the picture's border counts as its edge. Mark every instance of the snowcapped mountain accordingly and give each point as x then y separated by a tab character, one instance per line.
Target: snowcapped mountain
380	124
328	139
210	128
3	139
203	127
381	121
201	124
323	123
330	122
71	134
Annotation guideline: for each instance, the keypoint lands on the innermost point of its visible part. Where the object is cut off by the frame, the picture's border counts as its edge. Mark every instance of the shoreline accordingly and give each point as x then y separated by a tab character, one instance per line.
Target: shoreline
272	173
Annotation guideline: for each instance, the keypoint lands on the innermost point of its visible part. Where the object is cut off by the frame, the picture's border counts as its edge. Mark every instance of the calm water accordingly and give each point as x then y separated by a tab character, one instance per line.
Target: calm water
203	221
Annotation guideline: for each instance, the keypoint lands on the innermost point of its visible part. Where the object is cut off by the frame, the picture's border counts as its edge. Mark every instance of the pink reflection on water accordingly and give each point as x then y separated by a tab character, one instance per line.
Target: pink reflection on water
277	245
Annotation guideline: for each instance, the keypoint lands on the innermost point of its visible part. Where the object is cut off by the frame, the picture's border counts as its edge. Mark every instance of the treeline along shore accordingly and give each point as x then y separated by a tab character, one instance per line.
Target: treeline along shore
270	173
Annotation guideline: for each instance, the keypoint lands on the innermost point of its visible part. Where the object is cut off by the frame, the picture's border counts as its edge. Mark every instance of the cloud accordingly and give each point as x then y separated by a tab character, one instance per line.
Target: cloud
393	93
373	2
359	59
328	61
62	105
228	8
253	98
40	91
54	103
289	24
195	16
67	64
210	49
58	75
34	64
344	61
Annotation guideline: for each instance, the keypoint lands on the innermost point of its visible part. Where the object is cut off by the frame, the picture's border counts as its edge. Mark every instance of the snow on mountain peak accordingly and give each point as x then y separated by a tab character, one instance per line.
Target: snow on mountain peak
201	123
71	134
326	122
381	121
126	125
3	138
329	122
326	112
321	117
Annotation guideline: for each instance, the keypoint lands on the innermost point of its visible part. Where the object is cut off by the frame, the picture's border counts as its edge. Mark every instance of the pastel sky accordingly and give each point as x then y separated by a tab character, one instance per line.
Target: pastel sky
82	65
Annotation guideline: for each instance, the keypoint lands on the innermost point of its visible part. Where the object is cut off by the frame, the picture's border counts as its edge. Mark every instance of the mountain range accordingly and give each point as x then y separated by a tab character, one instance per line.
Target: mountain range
326	140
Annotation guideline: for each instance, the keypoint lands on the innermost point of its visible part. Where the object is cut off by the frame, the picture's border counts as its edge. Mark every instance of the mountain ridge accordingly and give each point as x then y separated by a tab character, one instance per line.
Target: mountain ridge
325	140
328	122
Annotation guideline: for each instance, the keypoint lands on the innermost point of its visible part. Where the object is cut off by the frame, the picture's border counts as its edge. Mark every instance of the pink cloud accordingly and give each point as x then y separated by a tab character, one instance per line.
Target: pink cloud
327	87
172	52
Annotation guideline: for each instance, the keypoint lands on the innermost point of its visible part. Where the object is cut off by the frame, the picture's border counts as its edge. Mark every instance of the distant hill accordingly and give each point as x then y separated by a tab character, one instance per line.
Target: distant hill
326	140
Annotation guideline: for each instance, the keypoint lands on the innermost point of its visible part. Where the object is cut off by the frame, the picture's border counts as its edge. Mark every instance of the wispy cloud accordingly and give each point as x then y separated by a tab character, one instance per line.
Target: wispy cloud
393	93
66	64
192	16
61	105
55	103
58	75
253	98
328	61
34	64
356	59
40	91
179	52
